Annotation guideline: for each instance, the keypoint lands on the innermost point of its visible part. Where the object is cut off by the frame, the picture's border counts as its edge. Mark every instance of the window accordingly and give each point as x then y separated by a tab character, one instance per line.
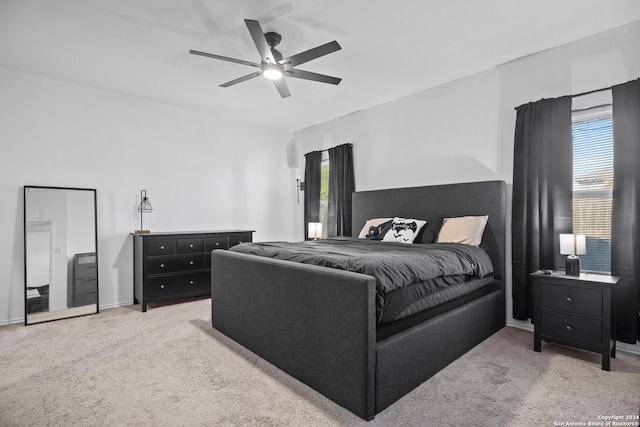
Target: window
592	130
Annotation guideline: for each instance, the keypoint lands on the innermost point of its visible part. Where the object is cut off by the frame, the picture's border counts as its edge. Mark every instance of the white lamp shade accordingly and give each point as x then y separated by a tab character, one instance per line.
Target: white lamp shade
573	244
315	230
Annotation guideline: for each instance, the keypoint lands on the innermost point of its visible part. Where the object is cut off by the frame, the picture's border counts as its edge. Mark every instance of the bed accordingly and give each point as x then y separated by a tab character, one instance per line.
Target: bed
322	325
37	298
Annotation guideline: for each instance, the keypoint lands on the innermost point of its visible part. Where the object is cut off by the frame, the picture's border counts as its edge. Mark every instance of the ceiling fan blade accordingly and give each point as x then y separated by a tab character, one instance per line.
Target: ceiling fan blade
261	43
225	58
282	87
242	79
308	75
310	54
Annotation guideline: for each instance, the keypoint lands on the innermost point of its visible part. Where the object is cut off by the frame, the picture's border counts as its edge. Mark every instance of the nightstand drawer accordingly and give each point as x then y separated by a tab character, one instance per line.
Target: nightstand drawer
160	247
169	286
571	299
574	329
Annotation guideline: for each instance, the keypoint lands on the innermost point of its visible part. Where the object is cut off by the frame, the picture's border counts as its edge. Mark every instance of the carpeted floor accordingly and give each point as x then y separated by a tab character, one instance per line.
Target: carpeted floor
169	367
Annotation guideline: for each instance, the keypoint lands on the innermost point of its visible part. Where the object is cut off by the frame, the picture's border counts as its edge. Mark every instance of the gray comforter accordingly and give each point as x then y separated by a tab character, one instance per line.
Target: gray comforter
392	264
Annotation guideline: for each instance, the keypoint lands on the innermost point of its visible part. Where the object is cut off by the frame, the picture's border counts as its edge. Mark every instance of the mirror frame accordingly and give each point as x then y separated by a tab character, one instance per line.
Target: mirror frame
68	313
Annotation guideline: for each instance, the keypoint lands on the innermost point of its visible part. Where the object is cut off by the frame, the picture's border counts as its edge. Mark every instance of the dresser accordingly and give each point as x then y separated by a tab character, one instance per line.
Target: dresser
576	311
172	265
84	287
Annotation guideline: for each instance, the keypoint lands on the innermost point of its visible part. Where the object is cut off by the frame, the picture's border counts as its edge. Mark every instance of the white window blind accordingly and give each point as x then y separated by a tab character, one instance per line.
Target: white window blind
593	184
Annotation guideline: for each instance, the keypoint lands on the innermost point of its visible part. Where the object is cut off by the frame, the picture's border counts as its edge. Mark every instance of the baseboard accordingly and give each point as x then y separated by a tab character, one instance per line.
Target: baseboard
12	321
118	304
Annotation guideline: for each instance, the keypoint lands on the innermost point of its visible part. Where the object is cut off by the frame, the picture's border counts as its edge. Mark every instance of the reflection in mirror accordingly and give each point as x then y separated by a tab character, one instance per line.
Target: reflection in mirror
60	253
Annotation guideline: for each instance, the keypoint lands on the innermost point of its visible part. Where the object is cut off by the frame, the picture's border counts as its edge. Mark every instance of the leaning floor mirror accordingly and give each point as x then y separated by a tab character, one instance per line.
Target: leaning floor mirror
60	253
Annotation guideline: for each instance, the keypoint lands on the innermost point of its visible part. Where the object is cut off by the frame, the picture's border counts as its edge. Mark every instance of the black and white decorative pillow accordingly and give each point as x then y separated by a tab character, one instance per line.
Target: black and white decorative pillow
371	223
404	230
378	231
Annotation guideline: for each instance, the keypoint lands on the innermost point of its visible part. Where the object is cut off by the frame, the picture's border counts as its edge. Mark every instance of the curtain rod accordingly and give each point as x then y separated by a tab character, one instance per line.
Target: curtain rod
580	94
327	149
592	91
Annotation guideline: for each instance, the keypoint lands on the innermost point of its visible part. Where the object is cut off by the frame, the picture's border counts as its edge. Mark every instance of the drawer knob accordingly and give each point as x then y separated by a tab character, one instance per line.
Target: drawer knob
162	286
569	299
191	282
161	265
190	246
161	247
217	244
190	262
569	328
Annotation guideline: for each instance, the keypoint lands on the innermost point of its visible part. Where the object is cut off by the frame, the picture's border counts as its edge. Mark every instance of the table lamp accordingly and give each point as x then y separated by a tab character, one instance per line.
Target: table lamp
315	230
144	207
573	245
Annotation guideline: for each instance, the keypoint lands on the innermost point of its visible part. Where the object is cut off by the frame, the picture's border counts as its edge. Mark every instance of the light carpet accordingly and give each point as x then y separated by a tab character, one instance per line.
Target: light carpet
169	367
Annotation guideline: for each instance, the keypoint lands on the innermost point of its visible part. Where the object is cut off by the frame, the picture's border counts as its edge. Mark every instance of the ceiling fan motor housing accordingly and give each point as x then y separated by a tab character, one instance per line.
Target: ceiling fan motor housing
273	39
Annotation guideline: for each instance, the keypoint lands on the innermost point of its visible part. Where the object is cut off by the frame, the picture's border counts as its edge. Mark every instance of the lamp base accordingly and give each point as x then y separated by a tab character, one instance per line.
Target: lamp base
143	231
572	266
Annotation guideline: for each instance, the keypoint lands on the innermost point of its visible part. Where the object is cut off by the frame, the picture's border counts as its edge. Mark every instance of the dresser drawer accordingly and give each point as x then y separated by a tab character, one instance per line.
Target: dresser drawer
236	239
167	287
160	247
190	246
161	265
216	242
571	299
86	286
574	329
85	273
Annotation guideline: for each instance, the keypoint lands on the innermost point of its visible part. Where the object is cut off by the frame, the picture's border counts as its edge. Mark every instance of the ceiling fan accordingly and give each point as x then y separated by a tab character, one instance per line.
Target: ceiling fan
272	65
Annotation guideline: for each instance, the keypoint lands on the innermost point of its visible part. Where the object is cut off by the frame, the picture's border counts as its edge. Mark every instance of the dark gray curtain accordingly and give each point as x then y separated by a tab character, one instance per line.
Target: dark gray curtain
312	165
341	187
625	252
542	193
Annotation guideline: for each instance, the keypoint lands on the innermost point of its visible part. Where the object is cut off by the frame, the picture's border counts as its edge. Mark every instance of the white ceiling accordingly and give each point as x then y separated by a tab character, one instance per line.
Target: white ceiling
389	49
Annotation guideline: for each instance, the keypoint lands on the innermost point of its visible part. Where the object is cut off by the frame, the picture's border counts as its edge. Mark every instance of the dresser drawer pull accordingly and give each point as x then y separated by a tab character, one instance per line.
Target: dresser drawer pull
569	299
569	328
161	265
161	247
191	282
162	286
190	262
191	246
217	244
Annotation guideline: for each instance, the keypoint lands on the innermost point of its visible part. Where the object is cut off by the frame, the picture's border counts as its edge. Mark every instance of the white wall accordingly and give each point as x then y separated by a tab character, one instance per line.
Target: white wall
463	131
201	173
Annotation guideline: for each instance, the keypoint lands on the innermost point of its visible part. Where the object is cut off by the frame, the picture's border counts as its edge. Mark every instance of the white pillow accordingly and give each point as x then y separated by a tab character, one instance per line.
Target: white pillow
371	223
404	230
464	229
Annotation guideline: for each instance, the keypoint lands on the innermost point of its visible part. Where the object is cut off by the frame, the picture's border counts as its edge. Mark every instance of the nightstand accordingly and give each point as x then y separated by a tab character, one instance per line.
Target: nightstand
576	311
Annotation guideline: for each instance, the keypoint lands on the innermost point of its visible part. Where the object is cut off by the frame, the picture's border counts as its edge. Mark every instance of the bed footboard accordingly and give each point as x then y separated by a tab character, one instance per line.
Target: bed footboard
316	324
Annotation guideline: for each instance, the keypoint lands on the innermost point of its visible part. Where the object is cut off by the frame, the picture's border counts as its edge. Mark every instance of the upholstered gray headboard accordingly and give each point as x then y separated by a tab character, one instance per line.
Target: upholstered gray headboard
436	202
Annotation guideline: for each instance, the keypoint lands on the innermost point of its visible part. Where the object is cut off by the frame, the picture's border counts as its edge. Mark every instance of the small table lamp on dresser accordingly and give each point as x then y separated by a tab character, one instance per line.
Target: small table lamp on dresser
573	245
144	207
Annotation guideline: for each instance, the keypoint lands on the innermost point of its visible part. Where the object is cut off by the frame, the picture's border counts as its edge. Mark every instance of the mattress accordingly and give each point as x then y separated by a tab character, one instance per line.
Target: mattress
410	278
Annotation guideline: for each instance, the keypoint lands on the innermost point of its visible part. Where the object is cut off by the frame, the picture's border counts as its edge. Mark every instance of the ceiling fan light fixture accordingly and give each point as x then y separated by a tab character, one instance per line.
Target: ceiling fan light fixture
272	73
